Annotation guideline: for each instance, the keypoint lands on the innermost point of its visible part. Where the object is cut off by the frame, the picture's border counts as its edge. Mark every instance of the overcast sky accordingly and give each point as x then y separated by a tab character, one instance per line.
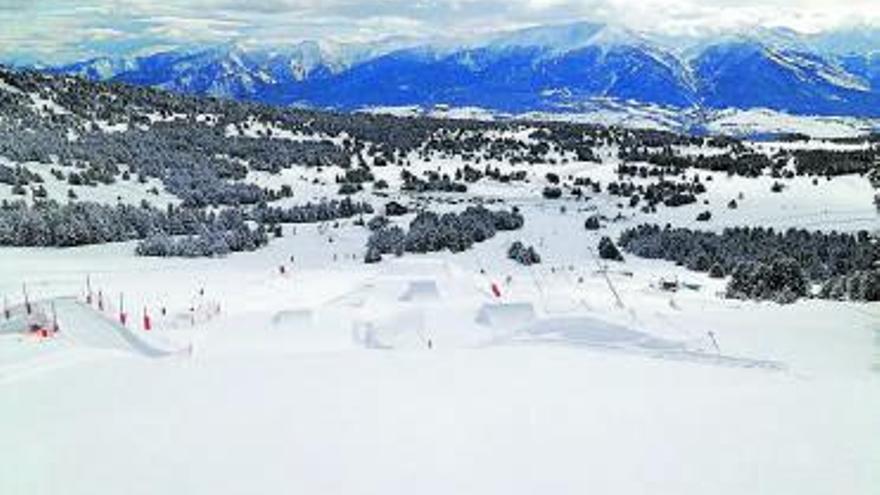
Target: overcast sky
64	30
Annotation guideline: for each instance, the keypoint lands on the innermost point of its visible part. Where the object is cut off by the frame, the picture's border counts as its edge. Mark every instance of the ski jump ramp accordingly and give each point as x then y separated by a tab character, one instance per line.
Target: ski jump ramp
421	291
509	316
85	326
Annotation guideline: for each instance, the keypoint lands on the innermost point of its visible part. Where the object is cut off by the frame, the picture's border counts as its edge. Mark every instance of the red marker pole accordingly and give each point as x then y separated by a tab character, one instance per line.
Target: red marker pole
122	315
148	325
496	290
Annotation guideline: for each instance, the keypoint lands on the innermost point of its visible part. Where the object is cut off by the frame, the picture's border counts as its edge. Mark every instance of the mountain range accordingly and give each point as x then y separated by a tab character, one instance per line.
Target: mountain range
558	68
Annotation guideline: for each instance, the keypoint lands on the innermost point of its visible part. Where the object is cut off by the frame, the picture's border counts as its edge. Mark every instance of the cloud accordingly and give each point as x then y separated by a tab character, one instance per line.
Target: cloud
58	30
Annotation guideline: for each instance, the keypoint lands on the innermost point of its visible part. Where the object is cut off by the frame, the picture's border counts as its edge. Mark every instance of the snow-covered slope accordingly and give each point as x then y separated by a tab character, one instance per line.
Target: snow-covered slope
748	75
322	380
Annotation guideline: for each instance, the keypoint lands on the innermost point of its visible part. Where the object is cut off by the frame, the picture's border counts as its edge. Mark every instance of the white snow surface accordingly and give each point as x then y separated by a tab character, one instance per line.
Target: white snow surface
410	376
765	121
635	115
330	379
122	191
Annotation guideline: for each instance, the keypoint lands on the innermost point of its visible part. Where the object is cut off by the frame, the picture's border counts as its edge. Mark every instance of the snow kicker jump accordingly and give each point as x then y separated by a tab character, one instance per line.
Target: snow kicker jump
87	327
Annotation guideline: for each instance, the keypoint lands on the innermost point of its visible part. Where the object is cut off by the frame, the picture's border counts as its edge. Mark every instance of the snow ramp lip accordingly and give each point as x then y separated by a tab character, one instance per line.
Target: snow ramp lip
90	328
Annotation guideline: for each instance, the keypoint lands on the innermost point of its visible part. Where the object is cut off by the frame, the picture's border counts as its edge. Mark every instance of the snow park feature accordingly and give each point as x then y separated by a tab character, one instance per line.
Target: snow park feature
26	319
190	305
421	290
510	316
294	321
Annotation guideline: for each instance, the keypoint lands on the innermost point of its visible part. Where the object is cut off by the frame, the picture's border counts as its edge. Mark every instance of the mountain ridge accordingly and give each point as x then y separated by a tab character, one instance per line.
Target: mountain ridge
543	68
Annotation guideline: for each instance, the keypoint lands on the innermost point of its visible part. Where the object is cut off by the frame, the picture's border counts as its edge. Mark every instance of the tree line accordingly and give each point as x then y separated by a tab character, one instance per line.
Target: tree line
763	263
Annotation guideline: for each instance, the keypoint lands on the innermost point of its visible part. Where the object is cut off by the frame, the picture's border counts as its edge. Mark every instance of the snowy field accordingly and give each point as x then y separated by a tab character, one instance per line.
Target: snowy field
633	115
411	376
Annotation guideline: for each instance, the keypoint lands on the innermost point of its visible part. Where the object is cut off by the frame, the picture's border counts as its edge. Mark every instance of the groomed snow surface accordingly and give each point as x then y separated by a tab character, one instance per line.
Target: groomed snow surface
410	376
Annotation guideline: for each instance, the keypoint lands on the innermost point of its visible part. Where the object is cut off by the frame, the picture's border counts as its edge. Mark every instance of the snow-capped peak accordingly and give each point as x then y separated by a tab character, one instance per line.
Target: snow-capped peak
566	37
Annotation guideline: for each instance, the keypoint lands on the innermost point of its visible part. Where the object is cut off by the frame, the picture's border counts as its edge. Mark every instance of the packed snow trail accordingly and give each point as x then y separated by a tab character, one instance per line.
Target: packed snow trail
86	326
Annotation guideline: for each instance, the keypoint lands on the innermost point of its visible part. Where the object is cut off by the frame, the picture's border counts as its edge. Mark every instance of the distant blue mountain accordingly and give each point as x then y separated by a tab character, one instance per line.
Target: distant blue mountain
551	68
514	79
750	75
